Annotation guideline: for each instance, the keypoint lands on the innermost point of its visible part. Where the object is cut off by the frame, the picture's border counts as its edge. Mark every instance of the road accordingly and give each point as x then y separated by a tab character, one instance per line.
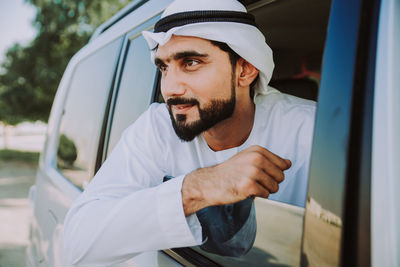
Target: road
15	181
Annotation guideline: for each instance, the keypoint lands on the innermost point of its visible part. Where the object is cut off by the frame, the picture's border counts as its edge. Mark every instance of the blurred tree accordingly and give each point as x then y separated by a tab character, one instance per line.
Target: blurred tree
67	152
31	74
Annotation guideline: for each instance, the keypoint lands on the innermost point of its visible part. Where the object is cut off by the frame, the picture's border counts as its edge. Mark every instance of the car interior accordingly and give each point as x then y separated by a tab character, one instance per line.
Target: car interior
295	30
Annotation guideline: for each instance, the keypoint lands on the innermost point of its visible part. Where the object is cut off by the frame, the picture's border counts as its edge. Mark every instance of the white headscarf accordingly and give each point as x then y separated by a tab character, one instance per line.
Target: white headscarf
246	40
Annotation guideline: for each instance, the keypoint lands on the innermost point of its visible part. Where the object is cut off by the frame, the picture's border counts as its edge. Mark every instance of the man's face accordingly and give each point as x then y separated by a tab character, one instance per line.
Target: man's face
198	84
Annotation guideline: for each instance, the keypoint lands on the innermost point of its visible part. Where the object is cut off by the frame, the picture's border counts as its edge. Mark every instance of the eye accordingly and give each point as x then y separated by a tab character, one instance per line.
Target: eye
190	63
162	67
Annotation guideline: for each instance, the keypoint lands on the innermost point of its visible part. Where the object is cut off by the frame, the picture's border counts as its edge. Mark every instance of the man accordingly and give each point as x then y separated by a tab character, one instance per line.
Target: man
223	135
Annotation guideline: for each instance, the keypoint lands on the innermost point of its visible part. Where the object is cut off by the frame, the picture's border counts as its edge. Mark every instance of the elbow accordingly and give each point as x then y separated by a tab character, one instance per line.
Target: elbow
75	242
72	249
79	245
75	251
70	256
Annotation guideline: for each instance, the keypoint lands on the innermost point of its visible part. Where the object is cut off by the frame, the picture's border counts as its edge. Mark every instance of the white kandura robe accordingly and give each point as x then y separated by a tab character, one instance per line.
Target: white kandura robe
127	209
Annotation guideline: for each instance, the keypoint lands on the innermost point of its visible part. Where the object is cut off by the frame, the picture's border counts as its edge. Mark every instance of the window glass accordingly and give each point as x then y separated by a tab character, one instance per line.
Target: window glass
135	90
83	114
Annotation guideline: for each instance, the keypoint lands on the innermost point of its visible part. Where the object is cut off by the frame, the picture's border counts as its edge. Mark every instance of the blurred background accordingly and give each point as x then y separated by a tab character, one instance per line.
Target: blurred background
38	38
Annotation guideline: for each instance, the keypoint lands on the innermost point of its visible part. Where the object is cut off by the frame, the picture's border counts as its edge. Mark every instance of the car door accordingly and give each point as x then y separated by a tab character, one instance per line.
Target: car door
68	160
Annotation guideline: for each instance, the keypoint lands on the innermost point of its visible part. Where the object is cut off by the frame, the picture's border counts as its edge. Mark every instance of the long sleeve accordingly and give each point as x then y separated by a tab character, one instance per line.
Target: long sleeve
126	209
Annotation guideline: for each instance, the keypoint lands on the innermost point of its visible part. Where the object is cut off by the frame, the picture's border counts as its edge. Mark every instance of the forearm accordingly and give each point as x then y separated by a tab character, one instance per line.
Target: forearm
206	188
252	172
108	229
199	189
193	197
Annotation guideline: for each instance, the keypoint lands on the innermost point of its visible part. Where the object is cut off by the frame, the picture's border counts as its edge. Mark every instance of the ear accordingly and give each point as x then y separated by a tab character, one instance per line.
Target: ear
247	73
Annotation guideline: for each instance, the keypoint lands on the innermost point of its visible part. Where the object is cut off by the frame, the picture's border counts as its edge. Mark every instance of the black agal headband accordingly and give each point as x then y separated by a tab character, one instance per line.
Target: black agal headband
190	17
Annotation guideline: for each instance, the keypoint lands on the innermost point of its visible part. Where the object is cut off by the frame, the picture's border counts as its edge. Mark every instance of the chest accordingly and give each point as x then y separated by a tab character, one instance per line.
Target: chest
185	157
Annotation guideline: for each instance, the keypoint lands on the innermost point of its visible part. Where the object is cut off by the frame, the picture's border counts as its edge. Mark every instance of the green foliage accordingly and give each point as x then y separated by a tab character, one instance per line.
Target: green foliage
67	152
20	156
31	74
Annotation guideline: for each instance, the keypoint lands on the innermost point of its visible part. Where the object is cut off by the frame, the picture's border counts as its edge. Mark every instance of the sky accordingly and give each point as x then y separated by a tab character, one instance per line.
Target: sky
16	18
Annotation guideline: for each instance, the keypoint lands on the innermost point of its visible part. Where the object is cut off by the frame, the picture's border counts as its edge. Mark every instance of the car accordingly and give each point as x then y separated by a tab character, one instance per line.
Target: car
342	54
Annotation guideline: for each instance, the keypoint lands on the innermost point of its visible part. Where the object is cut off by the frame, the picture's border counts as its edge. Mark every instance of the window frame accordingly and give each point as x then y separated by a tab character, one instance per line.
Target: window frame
356	243
128	38
113	79
108	115
356	74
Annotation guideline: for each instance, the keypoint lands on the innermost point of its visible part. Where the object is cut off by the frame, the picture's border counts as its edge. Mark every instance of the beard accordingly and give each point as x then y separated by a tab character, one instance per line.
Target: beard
214	112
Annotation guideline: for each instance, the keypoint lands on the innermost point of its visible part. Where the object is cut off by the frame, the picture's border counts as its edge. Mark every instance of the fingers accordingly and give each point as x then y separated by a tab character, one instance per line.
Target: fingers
254	171
264	190
281	163
269	184
259	191
272	171
271	164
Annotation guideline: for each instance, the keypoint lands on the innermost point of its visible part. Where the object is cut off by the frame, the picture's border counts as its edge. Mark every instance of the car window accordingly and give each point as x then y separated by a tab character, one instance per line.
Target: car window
136	89
136	85
296	32
337	221
83	114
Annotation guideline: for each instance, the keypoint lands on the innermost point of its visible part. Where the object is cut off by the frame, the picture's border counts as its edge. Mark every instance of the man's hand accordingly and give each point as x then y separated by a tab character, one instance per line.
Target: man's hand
254	171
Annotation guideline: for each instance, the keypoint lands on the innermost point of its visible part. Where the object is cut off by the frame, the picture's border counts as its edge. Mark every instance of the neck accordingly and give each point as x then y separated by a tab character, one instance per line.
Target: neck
233	131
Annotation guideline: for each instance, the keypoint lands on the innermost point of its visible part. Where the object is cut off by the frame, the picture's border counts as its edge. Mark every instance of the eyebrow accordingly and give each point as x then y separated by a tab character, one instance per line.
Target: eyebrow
177	56
185	54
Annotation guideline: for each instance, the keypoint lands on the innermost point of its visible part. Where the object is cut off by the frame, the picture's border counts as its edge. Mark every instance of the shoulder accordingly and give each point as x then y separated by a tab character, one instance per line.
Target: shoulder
286	107
287	119
275	99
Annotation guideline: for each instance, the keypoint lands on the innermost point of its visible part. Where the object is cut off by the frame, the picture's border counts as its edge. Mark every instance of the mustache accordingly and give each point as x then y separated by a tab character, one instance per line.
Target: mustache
181	101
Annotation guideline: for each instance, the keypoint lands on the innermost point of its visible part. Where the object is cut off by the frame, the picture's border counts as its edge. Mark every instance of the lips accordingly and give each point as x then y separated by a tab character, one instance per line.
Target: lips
182	107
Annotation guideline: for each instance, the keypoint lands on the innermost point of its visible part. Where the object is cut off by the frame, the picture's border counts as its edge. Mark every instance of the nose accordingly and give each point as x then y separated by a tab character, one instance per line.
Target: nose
172	84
